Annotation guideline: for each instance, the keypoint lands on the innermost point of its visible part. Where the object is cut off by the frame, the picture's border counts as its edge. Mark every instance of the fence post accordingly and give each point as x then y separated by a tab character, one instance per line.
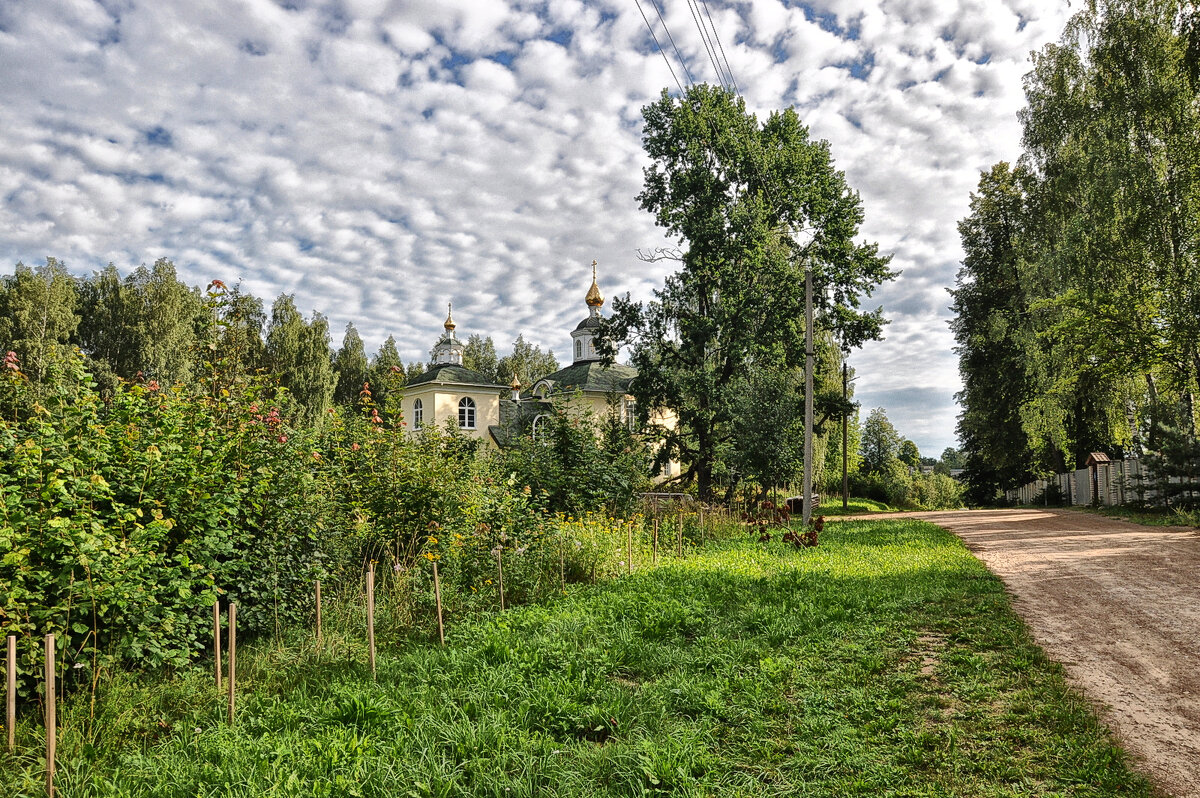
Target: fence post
654	546
217	642
232	659
437	595
371	617
12	693
500	574
51	715
629	548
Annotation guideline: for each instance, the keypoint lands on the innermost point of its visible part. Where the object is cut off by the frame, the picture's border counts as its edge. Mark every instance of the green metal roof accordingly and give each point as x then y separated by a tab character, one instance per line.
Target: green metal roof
591	376
449	372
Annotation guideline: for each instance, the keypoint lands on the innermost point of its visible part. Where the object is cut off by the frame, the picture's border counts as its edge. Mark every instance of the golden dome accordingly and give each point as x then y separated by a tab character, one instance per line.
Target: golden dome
516	384
449	325
593	298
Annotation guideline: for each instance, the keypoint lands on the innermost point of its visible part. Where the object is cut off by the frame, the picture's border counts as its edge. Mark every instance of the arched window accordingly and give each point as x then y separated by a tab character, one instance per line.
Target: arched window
591	348
418	413
539	428
466	413
578	349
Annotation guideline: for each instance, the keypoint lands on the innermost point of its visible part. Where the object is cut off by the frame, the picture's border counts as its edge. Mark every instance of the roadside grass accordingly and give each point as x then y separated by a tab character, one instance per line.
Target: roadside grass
832	507
1148	516
886	662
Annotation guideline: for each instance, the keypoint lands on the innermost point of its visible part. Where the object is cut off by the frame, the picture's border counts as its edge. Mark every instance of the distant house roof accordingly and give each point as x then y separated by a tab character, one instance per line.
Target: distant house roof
450	372
1095	458
590	376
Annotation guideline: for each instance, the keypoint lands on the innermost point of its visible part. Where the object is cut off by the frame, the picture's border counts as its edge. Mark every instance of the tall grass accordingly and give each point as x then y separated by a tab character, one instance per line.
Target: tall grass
885	662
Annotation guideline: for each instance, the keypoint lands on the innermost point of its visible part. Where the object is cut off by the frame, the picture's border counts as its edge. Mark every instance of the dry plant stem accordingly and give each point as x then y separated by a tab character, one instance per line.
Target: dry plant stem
437	596
217	643
51	716
232	659
371	617
12	693
679	544
318	613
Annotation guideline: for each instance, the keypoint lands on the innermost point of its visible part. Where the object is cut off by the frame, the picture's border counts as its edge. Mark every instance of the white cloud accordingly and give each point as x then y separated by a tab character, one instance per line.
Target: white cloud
381	157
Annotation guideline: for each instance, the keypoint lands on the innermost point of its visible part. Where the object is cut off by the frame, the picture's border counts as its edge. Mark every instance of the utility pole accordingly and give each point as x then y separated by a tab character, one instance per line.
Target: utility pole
845	439
808	392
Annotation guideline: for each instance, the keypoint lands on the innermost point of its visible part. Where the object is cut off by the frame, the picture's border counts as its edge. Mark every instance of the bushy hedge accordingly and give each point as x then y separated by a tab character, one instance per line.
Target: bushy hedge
125	518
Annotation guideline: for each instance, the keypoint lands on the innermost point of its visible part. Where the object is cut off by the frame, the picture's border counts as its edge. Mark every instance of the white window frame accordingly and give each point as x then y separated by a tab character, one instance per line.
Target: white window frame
466	413
418	413
538	429
578	349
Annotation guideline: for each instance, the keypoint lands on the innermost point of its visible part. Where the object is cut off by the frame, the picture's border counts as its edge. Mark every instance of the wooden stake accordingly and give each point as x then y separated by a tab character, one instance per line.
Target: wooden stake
12	693
217	642
232	680
318	612
654	547
51	716
629	549
437	595
500	575
371	617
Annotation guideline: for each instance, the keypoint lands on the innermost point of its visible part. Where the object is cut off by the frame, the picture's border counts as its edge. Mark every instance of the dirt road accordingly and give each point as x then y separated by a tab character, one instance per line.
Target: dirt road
1119	606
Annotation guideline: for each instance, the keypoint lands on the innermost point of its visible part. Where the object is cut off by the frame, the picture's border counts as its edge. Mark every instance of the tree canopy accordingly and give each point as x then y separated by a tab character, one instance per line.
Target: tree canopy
752	205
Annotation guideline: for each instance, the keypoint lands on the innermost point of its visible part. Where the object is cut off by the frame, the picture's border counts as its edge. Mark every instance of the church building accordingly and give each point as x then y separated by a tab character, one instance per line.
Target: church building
492	412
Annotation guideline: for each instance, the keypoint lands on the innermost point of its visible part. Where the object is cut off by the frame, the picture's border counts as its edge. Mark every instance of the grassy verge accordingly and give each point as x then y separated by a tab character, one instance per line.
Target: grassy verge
1149	516
885	662
832	507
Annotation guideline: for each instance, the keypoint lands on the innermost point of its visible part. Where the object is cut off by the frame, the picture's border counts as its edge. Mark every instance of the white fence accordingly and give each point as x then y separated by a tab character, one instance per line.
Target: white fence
1116	482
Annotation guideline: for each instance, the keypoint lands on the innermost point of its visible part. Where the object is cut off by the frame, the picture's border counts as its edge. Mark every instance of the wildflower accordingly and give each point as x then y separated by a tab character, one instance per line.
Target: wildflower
429	556
520	550
354	447
432	539
283	439
487	581
152	385
397	567
10	361
253	408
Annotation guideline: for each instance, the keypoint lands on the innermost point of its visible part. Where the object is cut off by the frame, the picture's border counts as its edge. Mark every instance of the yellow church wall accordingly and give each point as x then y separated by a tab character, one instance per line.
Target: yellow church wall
440	404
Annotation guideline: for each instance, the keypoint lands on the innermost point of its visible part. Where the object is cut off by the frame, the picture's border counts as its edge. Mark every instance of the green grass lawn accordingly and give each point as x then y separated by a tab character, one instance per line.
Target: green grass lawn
885	662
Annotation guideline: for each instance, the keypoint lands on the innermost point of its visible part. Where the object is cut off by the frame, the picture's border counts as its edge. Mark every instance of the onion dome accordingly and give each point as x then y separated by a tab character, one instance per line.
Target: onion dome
516	384
594	299
449	324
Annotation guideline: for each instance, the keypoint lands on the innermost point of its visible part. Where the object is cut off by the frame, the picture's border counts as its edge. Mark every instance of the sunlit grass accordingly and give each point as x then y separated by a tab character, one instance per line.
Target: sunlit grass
887	661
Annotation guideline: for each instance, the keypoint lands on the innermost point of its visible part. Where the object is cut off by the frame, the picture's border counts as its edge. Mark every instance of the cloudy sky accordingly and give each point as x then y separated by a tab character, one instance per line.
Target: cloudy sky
378	158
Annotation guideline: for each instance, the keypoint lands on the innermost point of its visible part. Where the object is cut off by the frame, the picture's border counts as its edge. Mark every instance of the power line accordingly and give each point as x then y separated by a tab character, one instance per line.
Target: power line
660	49
721	47
679	55
708	48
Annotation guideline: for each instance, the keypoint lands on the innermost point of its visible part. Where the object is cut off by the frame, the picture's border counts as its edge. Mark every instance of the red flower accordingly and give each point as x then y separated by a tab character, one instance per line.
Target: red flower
283	439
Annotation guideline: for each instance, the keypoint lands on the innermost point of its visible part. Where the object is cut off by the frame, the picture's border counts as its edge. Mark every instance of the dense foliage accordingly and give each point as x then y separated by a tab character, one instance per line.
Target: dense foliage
1078	302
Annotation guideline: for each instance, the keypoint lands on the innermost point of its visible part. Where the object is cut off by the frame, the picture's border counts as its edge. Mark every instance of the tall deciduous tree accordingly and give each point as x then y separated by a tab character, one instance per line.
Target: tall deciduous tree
752	205
298	353
527	363
351	367
880	442
479	354
994	335
38	315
